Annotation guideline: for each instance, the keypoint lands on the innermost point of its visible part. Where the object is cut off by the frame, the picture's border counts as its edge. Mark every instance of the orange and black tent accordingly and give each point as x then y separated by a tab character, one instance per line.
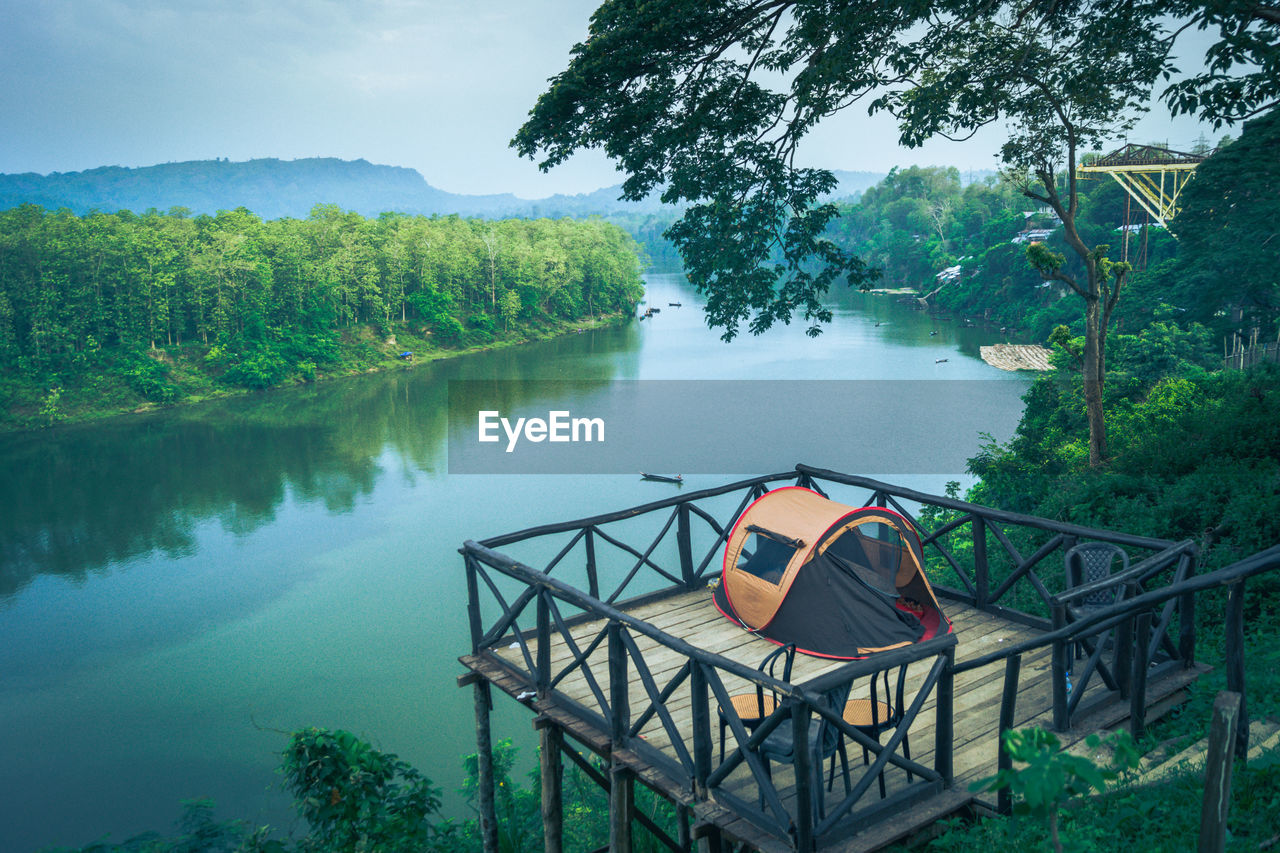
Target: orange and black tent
837	581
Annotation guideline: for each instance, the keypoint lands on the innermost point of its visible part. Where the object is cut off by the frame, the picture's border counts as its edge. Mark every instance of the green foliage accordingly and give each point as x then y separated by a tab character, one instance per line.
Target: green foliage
49	412
1051	776
120	297
356	798
585	805
198	832
1163	818
518	809
1227	230
1241	74
149	378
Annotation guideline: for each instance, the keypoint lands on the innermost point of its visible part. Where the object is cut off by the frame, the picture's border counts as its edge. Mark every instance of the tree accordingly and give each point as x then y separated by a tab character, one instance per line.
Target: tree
679	93
1231	207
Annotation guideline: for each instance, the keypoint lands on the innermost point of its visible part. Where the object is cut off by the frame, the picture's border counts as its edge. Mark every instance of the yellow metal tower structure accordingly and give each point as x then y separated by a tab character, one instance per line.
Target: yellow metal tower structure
1154	177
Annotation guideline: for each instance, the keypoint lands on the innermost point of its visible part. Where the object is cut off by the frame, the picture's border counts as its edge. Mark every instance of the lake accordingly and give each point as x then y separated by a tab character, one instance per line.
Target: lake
181	589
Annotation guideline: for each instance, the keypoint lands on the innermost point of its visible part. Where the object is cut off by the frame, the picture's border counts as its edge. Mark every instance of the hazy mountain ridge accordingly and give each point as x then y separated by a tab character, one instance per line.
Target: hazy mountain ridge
274	188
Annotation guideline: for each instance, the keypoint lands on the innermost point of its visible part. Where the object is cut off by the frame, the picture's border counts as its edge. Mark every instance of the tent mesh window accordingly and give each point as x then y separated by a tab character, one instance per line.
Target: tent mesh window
765	556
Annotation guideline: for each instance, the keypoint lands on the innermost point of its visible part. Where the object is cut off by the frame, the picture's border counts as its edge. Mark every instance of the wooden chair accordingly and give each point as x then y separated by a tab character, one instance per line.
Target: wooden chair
752	708
879	712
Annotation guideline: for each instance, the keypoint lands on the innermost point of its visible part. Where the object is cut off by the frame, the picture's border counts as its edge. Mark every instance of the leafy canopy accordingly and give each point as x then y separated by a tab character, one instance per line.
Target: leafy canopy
708	103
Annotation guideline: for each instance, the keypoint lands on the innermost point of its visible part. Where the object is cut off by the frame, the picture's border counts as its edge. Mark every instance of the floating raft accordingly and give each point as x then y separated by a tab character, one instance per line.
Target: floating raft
1016	356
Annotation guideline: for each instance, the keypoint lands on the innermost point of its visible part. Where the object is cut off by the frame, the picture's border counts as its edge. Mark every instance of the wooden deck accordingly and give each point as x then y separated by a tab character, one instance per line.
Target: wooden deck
691	617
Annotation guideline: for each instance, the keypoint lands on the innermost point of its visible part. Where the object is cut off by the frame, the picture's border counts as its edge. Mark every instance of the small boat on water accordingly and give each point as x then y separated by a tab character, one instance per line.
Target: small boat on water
662	478
673	304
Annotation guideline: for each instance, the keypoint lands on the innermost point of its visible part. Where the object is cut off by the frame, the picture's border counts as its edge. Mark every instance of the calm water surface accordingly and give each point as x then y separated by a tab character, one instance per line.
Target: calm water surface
179	590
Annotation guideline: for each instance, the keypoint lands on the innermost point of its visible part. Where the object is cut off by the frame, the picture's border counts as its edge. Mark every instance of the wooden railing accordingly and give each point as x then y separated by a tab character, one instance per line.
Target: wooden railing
1149	628
801	812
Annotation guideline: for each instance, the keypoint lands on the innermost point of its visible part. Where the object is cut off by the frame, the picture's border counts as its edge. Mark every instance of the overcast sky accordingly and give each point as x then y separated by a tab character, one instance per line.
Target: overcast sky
437	85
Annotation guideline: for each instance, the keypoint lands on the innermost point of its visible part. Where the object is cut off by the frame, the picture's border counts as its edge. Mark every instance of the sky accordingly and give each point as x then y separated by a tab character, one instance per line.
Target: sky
439	86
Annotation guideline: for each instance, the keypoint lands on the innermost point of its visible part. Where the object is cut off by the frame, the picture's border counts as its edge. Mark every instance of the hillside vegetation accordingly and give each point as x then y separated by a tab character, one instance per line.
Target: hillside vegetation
967	245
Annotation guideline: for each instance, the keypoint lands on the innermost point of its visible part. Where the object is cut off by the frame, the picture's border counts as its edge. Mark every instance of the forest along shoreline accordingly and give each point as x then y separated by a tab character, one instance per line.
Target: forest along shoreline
109	314
391	360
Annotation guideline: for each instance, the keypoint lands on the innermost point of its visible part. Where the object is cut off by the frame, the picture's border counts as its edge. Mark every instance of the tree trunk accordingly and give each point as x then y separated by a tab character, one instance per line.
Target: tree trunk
1093	373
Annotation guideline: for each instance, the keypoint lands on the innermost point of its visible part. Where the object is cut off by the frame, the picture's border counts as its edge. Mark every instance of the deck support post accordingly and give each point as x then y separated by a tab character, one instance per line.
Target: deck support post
1008	708
622	803
944	730
981	570
484	769
708	837
1235	662
806	777
1138	675
683	837
551	740
1062	649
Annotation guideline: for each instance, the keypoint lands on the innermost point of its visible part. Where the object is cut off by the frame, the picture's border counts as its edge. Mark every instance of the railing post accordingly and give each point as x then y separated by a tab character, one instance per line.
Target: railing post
1125	646
473	603
621	782
700	713
981	570
1235	661
593	580
944	730
1187	617
1062	649
804	770
543	675
685	545
620	710
1138	675
1008	707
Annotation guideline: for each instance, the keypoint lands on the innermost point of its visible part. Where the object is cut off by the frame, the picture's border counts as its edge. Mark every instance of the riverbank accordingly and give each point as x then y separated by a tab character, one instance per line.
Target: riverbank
108	388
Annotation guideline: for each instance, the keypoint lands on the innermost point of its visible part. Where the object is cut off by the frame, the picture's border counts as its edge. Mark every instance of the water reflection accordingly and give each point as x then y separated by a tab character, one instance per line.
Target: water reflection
84	498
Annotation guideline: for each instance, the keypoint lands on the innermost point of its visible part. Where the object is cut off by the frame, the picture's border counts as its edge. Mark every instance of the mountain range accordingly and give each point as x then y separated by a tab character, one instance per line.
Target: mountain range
274	188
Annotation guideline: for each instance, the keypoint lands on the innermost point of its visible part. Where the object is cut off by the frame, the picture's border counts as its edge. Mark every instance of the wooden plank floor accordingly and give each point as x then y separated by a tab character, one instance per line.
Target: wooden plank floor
692	617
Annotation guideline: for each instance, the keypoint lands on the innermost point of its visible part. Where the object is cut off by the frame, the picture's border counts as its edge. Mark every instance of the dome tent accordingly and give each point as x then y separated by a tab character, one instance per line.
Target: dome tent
838	582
